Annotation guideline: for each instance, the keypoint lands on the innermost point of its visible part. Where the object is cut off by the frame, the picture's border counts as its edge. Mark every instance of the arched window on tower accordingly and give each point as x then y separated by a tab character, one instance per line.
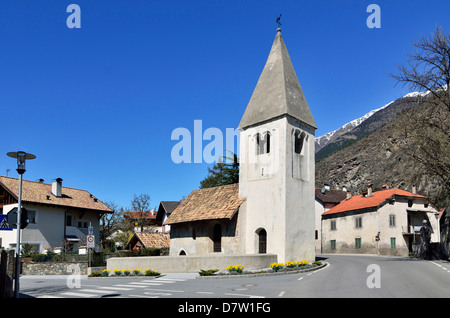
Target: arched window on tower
263	143
300	155
298	142
258	144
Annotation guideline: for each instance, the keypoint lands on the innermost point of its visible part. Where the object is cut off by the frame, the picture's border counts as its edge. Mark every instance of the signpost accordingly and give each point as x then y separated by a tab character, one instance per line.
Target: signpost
90	245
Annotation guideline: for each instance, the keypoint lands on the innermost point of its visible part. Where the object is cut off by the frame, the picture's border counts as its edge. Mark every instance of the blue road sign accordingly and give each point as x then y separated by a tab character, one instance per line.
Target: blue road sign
4	226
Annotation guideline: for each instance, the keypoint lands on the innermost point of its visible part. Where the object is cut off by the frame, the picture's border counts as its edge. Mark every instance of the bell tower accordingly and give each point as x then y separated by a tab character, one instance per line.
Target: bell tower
277	164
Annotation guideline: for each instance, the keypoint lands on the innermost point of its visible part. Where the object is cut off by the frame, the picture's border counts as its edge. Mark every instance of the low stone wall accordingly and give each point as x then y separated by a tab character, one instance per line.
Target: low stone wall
191	264
51	268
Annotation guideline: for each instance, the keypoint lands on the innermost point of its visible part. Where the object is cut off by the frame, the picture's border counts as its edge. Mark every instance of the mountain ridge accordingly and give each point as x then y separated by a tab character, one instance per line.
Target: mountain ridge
375	152
362	126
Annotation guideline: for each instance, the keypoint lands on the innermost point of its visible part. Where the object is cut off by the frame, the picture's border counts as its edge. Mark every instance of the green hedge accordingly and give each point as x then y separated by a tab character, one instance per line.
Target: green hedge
97	259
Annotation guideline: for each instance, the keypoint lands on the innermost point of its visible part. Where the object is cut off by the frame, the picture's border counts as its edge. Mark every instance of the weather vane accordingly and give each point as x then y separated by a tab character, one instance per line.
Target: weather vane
278	21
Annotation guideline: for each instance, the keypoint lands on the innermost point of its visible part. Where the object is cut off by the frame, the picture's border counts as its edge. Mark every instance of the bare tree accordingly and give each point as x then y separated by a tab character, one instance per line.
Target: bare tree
141	205
110	221
426	133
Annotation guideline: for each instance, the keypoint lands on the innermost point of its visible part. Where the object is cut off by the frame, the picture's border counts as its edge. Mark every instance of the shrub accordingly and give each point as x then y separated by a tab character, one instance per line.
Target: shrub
151	272
301	263
105	272
235	269
276	266
118	272
96	274
126	272
151	251
208	272
290	264
317	263
136	271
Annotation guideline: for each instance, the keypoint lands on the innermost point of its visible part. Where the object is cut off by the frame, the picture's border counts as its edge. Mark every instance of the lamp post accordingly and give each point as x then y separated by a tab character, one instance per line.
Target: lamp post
21	158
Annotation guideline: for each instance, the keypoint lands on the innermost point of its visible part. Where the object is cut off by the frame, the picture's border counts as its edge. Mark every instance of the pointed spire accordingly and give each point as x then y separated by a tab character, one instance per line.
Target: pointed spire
278	91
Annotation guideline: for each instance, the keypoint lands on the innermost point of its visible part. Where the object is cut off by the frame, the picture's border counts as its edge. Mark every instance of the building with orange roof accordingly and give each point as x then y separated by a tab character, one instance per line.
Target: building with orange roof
325	199
59	217
385	222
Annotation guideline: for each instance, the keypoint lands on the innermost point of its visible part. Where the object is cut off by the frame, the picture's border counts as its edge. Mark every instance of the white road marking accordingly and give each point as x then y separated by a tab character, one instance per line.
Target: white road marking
167	290
242	295
146	283
130	285
104	291
78	294
116	288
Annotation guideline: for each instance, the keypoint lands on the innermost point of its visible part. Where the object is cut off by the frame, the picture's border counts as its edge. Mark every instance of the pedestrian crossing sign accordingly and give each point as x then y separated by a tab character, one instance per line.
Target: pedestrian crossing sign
4	225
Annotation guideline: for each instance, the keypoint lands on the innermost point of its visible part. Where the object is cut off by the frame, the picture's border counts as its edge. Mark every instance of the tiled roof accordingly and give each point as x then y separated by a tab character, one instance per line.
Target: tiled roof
140	215
359	202
154	239
208	204
38	192
330	196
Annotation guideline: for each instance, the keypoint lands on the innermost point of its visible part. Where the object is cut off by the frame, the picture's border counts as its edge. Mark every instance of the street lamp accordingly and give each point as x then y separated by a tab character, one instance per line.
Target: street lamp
21	157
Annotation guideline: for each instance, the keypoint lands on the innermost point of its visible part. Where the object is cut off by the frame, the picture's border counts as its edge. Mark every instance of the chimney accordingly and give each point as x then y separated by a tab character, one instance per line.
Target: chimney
369	190
414	191
349	195
344	188
57	187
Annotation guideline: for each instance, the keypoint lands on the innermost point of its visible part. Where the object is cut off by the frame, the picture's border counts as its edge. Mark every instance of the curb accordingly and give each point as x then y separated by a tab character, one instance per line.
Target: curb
123	276
263	274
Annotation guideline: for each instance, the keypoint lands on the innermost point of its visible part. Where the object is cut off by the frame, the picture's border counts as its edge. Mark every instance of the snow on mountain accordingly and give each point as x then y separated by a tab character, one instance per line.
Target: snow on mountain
324	139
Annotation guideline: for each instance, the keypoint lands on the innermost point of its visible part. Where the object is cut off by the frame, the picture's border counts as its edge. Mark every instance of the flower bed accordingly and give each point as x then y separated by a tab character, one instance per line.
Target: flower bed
238	270
125	273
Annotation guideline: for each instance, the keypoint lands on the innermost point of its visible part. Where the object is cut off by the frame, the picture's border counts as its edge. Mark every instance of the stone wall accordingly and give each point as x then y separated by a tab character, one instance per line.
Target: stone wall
6	273
51	268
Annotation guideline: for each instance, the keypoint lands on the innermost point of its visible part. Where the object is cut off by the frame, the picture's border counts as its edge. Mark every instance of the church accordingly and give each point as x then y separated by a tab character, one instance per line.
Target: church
271	209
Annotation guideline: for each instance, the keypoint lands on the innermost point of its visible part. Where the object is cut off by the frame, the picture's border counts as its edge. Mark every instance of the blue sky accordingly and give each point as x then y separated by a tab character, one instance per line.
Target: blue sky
97	105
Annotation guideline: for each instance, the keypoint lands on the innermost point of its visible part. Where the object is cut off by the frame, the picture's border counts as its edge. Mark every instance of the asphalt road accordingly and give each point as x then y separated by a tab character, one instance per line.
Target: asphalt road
345	276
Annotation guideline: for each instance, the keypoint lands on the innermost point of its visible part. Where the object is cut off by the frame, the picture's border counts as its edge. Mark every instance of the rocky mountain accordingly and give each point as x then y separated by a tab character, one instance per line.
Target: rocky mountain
332	136
362	126
373	152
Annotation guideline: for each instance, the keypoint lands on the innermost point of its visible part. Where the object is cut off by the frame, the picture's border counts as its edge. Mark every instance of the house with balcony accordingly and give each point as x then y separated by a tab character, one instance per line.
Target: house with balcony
59	217
385	222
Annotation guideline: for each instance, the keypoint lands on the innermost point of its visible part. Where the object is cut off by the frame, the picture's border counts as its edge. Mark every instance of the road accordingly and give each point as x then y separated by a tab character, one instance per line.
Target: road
345	276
